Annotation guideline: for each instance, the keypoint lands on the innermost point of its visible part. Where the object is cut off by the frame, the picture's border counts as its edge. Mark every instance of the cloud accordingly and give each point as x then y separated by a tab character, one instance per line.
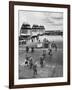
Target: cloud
51	20
47	20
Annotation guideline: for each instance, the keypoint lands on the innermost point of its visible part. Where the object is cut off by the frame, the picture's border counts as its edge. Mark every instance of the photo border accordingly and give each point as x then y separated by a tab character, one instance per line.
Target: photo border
11	43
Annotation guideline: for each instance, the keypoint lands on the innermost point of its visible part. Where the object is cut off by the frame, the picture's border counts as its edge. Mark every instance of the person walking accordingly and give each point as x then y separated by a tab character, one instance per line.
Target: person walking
34	69
31	62
27	49
44	54
50	51
26	60
41	62
32	49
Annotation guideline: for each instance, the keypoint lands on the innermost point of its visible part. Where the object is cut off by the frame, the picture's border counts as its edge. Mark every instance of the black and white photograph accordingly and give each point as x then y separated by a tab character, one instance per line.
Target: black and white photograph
39	50
40	44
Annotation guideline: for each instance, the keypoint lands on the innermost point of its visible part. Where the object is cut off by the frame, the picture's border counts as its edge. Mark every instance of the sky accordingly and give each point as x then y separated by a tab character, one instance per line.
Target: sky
50	20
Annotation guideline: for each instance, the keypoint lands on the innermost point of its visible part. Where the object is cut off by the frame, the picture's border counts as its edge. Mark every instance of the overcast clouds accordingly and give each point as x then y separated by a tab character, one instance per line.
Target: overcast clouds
51	20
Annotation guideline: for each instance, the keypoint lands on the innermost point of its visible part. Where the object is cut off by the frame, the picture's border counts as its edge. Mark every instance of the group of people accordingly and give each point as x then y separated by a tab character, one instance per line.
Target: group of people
27	49
30	64
43	56
29	59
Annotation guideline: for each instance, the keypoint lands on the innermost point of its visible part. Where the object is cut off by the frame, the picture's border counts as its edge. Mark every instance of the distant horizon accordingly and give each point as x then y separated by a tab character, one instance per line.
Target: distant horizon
44	26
